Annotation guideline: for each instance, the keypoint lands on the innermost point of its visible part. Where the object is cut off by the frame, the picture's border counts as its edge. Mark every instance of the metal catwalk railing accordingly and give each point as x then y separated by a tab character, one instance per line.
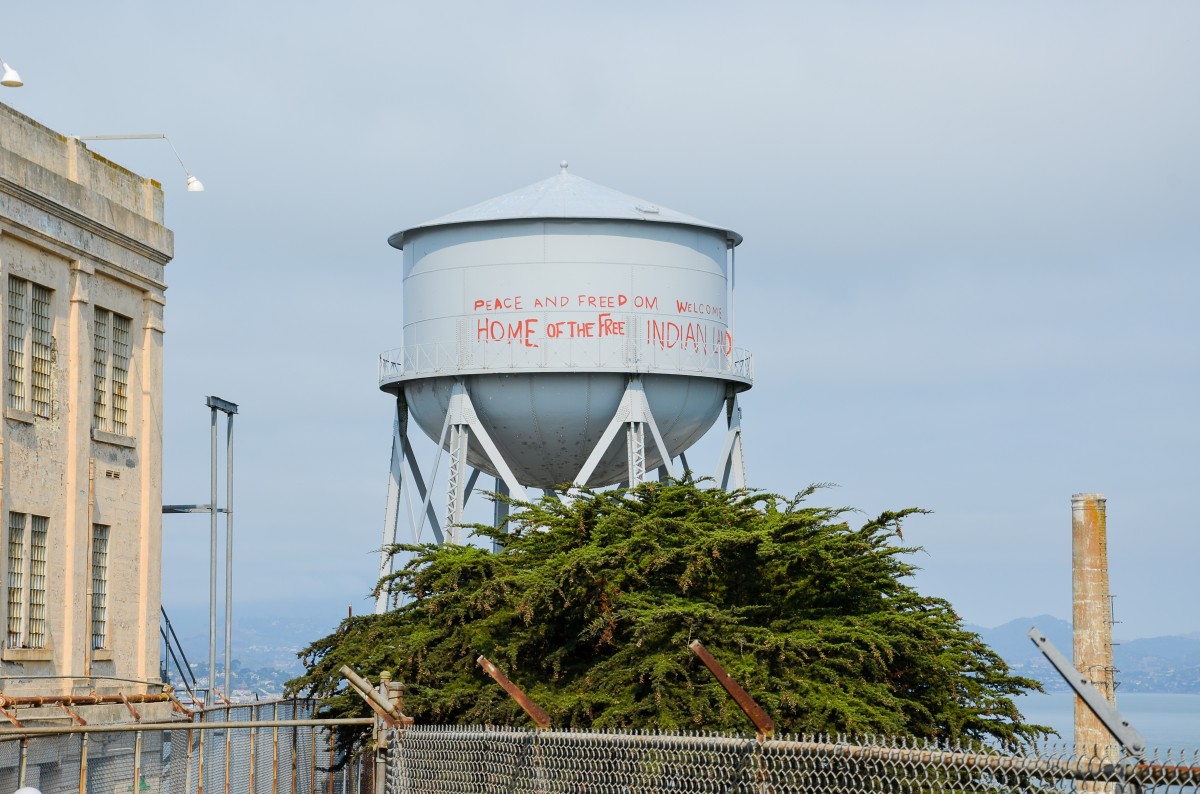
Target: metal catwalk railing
424	760
436	359
260	748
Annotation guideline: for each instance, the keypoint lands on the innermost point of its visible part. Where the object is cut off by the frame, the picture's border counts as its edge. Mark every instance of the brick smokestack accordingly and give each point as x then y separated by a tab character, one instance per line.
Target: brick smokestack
1092	617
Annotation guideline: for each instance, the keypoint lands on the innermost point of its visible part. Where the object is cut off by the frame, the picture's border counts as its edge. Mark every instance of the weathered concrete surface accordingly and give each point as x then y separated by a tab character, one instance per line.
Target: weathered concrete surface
92	232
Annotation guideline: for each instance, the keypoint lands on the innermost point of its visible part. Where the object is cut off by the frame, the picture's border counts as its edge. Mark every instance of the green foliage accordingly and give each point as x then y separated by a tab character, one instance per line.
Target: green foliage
590	607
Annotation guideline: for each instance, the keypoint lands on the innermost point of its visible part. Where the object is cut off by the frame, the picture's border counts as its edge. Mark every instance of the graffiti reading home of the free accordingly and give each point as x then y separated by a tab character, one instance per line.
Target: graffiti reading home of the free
525	320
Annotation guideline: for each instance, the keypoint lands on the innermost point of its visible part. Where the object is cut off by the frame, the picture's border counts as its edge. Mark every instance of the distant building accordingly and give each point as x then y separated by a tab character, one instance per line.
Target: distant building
82	253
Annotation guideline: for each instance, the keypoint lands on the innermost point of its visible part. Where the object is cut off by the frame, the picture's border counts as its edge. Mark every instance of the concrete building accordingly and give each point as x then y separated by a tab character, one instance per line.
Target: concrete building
82	254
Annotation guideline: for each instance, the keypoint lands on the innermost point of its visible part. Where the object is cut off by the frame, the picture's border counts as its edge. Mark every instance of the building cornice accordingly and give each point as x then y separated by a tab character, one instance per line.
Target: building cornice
83	221
57	246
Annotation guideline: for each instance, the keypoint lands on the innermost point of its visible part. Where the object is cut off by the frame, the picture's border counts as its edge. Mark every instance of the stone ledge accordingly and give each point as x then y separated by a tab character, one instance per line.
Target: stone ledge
17	415
116	439
27	654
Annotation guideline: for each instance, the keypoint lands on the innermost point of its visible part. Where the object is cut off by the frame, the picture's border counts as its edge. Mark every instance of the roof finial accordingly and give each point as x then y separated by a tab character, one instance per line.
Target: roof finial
563	166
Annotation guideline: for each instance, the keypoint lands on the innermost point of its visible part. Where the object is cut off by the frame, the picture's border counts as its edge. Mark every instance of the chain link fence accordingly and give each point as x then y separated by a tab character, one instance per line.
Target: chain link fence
484	760
273	748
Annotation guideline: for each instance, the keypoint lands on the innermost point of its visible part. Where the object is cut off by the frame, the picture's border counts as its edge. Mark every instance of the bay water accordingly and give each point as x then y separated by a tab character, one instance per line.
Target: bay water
1165	720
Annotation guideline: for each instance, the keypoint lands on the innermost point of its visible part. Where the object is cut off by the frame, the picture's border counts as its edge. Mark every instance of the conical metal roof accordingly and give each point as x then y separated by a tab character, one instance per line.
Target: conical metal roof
565	196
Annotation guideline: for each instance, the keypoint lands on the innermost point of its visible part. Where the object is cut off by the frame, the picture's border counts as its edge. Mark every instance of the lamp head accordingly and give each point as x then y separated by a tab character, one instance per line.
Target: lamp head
10	78
194	185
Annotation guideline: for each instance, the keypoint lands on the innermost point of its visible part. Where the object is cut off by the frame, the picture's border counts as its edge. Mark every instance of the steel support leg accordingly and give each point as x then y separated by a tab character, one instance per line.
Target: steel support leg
402	454
499	509
462	413
731	465
635	446
633	414
456	485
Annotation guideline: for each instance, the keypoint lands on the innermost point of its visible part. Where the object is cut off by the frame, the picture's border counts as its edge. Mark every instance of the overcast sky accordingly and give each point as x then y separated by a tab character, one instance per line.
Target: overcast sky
969	275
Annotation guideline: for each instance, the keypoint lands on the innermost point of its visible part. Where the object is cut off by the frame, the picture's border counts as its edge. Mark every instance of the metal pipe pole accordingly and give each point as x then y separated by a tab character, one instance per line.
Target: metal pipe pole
212	568
228	548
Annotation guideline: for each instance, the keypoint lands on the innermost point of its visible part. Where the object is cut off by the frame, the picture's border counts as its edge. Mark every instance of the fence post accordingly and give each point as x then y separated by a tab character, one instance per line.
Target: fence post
228	745
295	742
275	751
381	739
137	762
24	755
83	770
329	766
254	717
187	769
312	761
202	768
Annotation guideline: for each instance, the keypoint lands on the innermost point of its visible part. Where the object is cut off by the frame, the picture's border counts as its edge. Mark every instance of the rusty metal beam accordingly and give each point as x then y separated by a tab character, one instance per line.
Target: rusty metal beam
176	725
136	717
78	720
535	712
764	724
10	717
378	703
81	700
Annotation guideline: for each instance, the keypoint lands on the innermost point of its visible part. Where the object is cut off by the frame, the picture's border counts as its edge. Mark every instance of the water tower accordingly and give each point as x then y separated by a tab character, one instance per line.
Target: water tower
561	333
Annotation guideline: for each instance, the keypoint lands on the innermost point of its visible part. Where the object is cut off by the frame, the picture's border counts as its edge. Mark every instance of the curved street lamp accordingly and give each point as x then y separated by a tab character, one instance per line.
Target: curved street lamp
194	185
10	77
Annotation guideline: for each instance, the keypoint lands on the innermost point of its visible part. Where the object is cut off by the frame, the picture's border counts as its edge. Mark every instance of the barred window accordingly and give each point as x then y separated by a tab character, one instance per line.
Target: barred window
27	592
100	370
30	346
16	581
110	372
37	581
99	585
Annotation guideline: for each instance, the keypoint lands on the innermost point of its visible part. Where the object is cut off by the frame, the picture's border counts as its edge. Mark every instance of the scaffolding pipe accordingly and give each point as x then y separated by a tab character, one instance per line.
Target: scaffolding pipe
6	733
228	550
82	700
212	565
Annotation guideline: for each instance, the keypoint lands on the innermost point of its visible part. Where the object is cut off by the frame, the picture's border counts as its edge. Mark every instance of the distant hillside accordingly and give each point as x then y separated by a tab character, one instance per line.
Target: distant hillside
266	639
1154	664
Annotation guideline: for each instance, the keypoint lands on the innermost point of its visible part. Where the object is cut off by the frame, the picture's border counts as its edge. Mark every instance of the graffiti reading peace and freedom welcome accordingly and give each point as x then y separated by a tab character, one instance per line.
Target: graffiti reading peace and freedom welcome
498	320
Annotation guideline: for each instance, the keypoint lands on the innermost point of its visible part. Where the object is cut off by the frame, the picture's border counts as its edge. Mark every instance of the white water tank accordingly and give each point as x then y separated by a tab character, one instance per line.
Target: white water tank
544	303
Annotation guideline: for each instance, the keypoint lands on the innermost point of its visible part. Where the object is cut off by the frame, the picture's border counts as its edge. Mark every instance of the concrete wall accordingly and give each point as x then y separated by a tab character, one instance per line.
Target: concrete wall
92	232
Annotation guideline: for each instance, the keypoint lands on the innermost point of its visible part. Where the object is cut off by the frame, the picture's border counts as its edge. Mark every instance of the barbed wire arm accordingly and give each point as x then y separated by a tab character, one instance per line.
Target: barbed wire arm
764	724
535	712
1125	734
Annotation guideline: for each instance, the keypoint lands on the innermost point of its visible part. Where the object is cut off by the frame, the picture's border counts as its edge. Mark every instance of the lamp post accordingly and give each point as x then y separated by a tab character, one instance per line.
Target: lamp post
229	409
194	185
216	404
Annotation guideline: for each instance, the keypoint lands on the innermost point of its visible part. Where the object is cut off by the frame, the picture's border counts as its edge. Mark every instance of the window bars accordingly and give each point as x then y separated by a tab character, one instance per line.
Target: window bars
41	344
27	593
16	581
100	369
120	375
110	371
99	585
38	530
30	346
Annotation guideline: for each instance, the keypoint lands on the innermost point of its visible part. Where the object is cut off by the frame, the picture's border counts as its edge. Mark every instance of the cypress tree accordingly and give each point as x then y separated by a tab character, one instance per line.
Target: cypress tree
590	606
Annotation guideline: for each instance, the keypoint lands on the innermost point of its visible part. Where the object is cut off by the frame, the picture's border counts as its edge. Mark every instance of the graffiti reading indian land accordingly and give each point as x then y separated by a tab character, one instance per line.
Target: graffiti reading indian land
528	320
